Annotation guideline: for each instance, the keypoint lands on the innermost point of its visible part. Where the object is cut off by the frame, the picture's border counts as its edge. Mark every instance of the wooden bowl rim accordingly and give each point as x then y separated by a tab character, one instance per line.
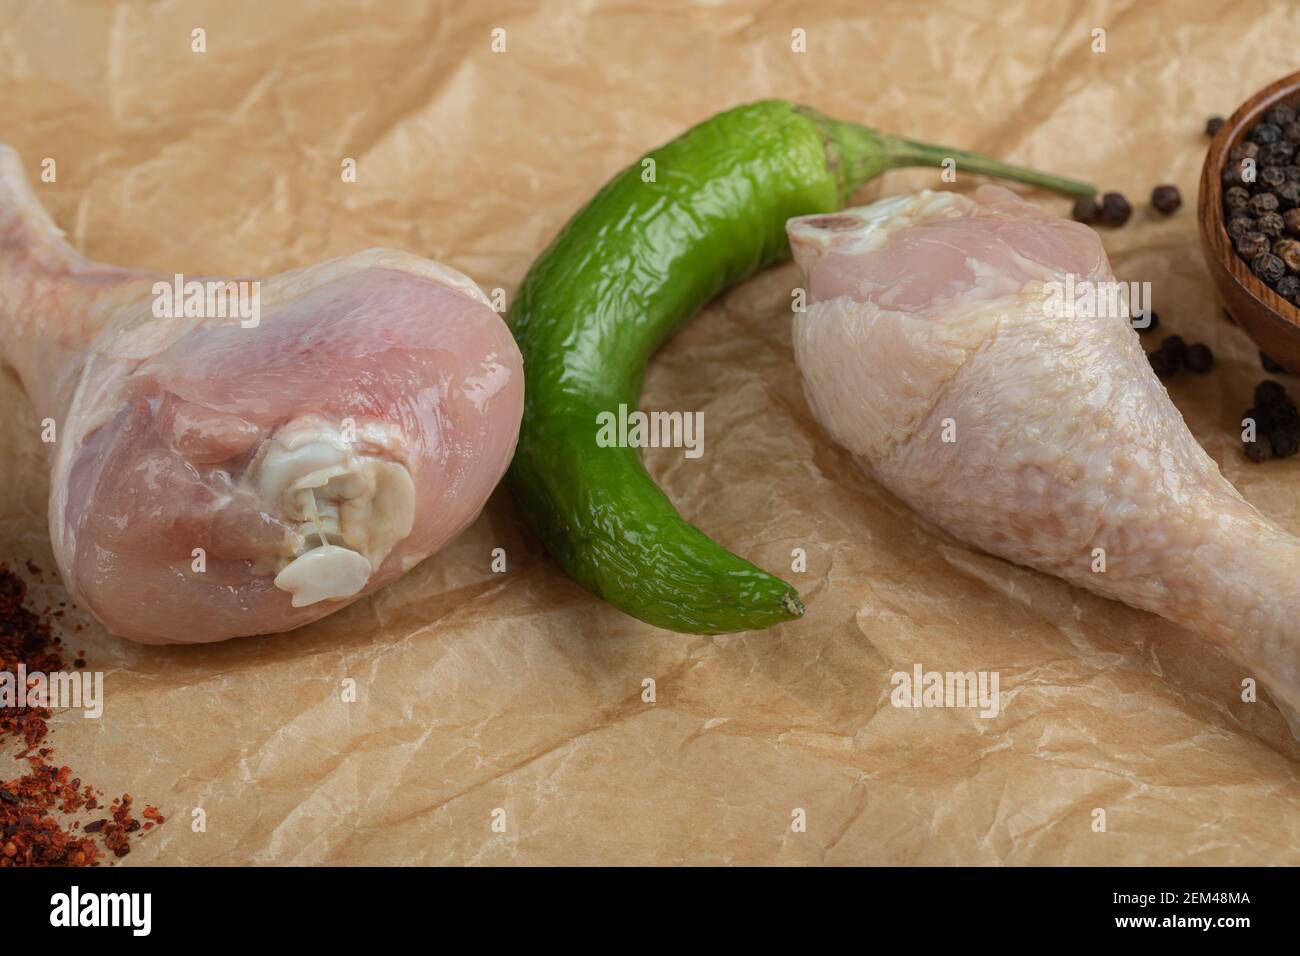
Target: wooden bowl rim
1210	205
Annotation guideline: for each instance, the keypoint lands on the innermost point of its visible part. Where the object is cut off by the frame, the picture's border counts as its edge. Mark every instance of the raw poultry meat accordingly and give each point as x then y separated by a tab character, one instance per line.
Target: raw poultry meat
938	349
222	475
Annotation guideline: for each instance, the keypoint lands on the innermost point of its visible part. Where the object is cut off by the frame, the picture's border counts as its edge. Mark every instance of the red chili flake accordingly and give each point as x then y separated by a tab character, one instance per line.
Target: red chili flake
30	835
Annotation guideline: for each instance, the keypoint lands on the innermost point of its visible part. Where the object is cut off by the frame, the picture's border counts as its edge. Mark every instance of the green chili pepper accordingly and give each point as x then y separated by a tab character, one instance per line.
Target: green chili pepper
655	244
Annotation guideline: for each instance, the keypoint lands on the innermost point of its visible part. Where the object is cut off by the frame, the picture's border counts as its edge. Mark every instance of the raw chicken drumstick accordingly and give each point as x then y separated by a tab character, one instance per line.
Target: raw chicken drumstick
221	476
929	350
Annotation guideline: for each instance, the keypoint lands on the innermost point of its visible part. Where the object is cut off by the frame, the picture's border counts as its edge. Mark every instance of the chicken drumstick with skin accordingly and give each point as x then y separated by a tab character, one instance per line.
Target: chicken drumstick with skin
214	477
932	313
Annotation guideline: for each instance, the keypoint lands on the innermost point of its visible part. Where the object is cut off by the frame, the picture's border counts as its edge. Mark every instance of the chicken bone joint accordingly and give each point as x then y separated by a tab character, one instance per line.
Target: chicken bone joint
346	491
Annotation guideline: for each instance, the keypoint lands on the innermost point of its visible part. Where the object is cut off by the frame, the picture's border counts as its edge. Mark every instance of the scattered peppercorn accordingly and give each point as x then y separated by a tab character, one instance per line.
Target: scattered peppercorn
1291	218
1269	364
1283	429
1269	393
1163	363
1198	359
1213	125
1260	449
1174	354
1277	423
1115	210
1085	210
1166	199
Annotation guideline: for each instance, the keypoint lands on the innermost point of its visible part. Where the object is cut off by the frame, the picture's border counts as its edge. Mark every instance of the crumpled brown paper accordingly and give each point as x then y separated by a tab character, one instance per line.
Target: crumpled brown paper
519	692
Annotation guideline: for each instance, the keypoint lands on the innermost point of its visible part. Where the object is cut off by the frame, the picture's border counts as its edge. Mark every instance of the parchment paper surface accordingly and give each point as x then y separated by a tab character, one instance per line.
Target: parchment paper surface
519	691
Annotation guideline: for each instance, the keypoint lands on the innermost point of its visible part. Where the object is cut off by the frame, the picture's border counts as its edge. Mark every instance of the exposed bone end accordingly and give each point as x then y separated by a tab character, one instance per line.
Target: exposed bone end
347	491
864	228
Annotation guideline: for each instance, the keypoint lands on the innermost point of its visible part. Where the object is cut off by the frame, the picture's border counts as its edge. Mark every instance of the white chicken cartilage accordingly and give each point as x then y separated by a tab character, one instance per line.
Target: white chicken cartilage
309	474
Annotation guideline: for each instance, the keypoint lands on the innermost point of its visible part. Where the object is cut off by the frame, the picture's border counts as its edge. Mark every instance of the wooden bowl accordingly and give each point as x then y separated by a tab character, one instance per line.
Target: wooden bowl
1269	319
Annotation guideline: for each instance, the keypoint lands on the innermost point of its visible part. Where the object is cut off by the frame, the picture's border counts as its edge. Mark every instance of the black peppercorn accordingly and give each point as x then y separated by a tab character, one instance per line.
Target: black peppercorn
1271	177
1261	198
1288	287
1285	442
1239	225
1265	133
1288	195
1085	210
1213	125
1163	363
1258	450
1115	210
1198	359
1147	321
1277	154
1283	429
1268	267
1288	250
1279	416
1175	346
1245	150
1261	203
1280	115
1236	197
1270	224
1166	199
1252	244
1268	363
1268	392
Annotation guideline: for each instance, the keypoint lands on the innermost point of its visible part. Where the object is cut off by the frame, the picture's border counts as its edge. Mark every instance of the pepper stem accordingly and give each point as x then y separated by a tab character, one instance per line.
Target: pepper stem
906	152
861	153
